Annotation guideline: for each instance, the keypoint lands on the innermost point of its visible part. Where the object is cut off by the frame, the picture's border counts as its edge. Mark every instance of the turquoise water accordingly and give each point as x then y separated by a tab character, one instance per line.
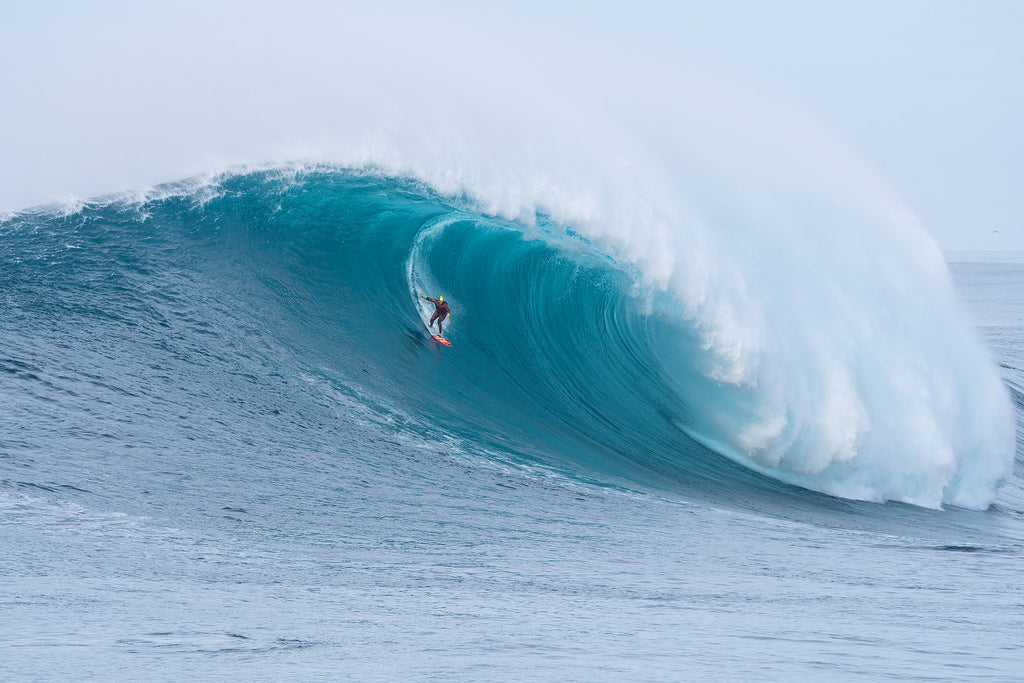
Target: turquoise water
231	451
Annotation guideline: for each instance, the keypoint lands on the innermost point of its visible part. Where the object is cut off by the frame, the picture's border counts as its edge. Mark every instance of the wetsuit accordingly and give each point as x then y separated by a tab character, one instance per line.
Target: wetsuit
441	312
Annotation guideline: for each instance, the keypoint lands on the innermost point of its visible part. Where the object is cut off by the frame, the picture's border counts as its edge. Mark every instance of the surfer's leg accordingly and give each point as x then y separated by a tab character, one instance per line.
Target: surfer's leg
440	330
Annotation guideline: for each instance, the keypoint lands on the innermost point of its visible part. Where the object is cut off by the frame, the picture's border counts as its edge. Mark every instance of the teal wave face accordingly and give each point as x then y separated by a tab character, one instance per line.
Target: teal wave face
551	358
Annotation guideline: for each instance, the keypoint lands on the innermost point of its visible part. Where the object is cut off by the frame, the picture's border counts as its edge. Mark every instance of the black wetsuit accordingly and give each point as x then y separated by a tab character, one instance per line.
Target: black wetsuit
441	312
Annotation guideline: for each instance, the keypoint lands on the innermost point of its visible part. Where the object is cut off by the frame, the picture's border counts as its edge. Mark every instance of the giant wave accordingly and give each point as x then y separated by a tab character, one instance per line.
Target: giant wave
821	349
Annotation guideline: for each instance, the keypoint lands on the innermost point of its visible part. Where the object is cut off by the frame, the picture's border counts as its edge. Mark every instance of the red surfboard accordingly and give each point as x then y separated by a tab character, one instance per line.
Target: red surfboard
441	340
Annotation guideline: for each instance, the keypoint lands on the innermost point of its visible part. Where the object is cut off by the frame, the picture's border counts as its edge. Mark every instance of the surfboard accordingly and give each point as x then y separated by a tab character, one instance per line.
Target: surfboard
441	340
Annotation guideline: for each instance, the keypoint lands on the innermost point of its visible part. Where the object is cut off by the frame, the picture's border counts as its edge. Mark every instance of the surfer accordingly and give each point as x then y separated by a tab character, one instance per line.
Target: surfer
441	312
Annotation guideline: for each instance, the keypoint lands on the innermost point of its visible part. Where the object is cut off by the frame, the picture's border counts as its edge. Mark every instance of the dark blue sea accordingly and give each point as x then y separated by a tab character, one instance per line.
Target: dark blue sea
230	450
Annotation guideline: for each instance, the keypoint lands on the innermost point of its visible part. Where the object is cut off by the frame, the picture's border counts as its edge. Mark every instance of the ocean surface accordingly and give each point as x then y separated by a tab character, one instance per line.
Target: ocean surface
229	449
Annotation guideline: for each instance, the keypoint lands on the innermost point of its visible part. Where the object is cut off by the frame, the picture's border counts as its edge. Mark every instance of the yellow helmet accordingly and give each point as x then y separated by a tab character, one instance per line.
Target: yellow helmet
440	299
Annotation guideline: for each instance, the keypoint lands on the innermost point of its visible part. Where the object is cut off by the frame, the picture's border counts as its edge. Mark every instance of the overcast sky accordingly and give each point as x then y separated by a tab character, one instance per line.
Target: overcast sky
104	96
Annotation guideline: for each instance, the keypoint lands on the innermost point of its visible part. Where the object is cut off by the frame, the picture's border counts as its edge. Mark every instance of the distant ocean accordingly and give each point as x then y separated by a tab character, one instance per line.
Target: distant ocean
229	449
